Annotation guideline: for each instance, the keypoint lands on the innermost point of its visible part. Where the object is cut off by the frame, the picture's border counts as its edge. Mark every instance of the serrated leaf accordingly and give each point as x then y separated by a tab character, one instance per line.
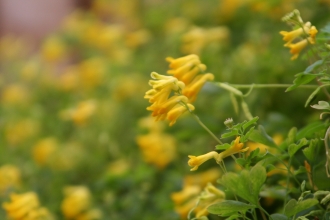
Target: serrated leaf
311	67
311	150
247	184
293	207
323	105
260	136
250	122
311	96
293	148
233	132
301	79
229	207
278	216
224	146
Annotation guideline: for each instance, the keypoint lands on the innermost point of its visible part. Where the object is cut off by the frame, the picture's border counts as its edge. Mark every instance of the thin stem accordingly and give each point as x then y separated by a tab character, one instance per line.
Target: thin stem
206	128
265	212
262	211
262	86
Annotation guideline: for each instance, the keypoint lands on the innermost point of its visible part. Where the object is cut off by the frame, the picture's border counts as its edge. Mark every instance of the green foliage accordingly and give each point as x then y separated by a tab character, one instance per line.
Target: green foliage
293	207
260	136
229	208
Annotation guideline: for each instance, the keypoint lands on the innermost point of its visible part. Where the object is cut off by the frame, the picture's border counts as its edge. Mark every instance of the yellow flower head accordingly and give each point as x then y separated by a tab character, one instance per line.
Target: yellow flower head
25	206
10	177
237	147
292	35
195	162
185	194
77	200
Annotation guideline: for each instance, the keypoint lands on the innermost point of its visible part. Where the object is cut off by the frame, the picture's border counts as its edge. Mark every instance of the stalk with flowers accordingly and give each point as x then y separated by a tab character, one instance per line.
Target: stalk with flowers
244	191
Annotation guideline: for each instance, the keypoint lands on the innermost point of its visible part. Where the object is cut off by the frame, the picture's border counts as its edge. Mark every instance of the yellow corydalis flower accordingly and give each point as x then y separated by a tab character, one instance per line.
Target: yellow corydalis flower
162	106
187	69
237	147
307	32
25	206
195	162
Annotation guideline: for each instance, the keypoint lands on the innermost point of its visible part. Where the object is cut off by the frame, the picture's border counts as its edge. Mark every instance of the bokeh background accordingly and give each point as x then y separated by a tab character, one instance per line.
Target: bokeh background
72	79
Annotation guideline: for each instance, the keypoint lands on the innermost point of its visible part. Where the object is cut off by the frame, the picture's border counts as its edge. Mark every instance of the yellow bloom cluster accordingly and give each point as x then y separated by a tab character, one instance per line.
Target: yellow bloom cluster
162	106
187	69
157	147
307	31
10	177
81	113
236	147
26	207
77	204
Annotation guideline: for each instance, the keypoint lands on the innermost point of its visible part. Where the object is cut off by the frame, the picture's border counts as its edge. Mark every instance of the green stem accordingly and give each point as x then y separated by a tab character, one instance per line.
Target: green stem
264	211
206	128
261	86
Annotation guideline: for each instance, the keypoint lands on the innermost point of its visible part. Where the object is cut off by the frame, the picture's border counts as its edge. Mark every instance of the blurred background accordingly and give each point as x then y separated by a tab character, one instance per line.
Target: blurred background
73	75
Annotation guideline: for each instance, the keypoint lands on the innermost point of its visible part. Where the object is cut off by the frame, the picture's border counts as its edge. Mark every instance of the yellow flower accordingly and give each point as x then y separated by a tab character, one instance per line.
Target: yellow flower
81	113
157	148
237	147
25	206
192	90
176	63
18	132
177	111
296	48
44	149
195	162
292	35
185	194
15	94
77	200
201	179
53	49
10	177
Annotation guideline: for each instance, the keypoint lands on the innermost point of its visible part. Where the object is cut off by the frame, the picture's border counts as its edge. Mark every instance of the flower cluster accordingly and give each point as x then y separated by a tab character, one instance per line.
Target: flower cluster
162	106
26	206
306	31
187	69
236	147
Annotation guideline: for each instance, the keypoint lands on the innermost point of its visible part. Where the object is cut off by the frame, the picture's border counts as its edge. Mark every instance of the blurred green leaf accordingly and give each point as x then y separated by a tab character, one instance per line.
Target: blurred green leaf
224	146
260	136
250	122
323	105
293	148
311	67
293	207
229	207
311	129
311	96
311	150
301	79
278	216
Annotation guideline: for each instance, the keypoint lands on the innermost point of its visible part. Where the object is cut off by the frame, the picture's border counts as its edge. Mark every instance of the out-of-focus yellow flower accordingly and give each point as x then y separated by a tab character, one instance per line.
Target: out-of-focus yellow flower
185	194
26	206
10	177
53	49
18	132
228	8
201	179
128	86
15	94
175	26
118	167
237	147
137	38
195	162
30	70
91	72
44	149
80	114
278	139
69	79
308	32
209	196
177	111
280	169
163	86
150	124
187	69
157	148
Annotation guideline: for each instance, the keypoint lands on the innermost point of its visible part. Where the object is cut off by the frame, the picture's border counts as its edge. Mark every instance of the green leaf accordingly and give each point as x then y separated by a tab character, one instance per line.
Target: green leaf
229	207
301	79
233	132
311	67
247	184
311	129
311	96
278	216
224	146
311	150
251	122
323	105
293	148
260	136
293	207
245	137
300	170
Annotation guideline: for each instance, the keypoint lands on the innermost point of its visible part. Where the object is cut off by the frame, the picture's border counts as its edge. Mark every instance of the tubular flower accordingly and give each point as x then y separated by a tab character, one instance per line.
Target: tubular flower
26	206
163	106
308	32
195	162
187	69
237	147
